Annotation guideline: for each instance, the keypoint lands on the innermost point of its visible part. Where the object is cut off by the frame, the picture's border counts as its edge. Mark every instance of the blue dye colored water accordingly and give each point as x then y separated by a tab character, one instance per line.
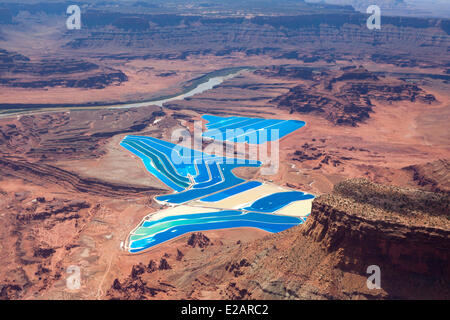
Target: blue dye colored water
216	177
173	164
148	165
163	159
267	222
249	130
202	171
193	216
276	201
191	194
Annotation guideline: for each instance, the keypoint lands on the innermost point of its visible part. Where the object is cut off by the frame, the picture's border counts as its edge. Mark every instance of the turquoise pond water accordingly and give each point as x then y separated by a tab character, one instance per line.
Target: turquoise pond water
194	175
152	233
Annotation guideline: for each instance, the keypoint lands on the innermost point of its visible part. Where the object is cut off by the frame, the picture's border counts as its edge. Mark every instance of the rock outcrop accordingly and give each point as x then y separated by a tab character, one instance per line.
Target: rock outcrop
198	240
352	102
17	70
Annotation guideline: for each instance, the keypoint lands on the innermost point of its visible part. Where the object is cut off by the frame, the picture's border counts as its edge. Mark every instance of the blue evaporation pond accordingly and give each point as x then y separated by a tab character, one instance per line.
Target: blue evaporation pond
276	201
171	227
175	165
228	180
193	216
196	175
249	130
150	167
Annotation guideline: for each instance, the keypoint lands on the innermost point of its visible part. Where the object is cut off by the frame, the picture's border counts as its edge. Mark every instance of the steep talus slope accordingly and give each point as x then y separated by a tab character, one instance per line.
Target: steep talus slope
332	35
434	176
359	225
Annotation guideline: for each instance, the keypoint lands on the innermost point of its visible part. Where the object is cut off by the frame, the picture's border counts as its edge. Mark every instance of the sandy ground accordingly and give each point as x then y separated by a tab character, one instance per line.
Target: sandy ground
242	199
178	210
117	165
297	209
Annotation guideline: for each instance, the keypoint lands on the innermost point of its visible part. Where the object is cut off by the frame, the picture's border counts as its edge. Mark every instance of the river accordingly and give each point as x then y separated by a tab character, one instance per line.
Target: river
197	86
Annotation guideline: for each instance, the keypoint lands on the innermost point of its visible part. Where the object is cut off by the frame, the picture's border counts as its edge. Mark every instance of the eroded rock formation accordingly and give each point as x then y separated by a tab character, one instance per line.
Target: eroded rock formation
353	100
